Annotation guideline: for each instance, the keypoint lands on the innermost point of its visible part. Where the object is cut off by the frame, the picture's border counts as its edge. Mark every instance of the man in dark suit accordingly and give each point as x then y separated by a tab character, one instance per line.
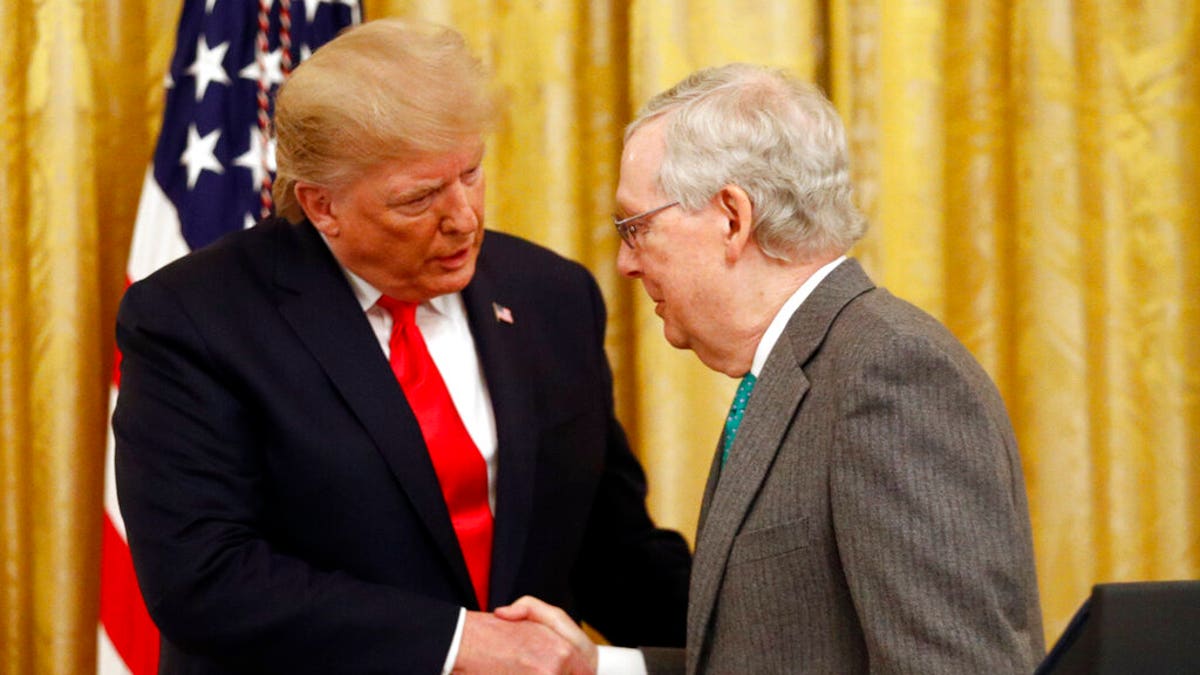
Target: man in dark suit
345	434
866	510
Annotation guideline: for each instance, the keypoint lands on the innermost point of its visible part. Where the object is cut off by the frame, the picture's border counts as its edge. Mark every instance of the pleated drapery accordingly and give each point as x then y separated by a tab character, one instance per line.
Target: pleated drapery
1029	169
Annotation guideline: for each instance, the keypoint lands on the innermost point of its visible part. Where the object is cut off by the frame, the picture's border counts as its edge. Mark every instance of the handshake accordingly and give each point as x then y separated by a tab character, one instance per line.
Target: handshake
528	636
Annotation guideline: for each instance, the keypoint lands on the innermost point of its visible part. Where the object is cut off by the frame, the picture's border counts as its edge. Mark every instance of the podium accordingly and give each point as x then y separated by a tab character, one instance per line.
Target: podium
1143	627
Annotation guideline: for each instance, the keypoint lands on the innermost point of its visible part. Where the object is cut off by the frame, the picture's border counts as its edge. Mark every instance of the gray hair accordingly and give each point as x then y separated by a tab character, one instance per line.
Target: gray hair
777	138
386	89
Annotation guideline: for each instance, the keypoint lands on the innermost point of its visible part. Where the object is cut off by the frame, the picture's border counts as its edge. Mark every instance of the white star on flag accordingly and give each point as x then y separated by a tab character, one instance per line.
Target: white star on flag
207	67
200	154
310	8
274	68
253	157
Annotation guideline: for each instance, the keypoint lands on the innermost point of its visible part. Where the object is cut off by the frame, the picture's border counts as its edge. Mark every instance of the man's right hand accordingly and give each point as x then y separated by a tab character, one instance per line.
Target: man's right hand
493	645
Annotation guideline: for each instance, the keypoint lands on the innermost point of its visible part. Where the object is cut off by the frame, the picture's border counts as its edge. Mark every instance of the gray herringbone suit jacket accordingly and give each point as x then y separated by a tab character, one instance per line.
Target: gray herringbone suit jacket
872	515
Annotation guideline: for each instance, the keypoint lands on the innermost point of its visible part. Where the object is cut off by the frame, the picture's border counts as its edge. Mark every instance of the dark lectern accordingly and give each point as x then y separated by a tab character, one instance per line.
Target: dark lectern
1146	628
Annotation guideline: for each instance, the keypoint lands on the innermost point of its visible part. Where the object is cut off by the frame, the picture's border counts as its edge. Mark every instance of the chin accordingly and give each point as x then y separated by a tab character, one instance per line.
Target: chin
458	279
429	286
676	339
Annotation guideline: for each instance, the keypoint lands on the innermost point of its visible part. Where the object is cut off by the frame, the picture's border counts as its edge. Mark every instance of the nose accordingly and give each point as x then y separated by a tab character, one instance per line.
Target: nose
459	215
627	261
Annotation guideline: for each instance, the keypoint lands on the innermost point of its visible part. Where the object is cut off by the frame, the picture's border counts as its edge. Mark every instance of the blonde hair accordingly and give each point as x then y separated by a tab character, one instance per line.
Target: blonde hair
383	90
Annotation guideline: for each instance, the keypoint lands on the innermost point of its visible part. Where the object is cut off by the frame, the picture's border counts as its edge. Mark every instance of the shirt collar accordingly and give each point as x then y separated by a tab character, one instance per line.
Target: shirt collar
771	336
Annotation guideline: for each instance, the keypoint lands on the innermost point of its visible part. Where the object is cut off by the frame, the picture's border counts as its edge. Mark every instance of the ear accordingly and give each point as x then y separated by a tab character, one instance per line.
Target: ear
734	205
316	201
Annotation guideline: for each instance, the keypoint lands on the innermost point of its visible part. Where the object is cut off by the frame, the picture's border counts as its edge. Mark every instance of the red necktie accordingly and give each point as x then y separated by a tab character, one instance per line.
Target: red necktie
460	467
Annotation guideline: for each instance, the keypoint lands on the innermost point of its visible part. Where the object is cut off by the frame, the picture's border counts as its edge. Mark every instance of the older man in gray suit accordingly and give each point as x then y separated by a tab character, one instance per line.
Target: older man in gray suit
869	513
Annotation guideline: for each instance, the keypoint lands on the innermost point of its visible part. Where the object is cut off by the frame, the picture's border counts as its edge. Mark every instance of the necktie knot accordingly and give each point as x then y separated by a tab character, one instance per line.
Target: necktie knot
737	410
402	312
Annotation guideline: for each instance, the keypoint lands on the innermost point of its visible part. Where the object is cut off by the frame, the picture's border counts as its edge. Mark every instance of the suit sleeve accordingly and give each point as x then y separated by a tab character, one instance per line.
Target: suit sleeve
664	660
632	577
927	505
190	487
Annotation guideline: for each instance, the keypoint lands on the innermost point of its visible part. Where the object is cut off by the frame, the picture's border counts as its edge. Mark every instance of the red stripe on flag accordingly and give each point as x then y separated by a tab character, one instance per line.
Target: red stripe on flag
122	612
117	368
116	375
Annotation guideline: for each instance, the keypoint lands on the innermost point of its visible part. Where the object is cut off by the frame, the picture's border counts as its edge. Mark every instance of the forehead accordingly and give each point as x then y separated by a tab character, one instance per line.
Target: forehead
427	167
640	161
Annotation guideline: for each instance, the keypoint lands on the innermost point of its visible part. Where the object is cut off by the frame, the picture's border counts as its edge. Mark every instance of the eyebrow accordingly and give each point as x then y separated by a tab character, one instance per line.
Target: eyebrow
417	193
429	188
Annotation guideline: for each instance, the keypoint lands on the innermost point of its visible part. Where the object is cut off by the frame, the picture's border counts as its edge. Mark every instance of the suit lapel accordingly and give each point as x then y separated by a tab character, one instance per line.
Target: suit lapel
731	491
321	308
506	369
710	487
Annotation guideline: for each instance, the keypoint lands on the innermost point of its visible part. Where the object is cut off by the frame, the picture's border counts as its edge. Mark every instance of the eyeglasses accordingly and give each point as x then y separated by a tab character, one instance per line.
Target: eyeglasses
629	227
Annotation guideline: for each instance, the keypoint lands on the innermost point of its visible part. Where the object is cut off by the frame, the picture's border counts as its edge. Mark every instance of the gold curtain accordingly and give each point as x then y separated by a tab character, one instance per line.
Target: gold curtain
1029	168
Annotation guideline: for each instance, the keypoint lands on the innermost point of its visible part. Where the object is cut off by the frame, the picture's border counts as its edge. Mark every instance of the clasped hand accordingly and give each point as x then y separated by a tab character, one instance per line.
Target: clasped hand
528	636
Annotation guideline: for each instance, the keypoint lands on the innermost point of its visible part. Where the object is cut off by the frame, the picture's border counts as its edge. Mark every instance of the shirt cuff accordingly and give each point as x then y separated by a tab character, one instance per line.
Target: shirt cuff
619	661
454	644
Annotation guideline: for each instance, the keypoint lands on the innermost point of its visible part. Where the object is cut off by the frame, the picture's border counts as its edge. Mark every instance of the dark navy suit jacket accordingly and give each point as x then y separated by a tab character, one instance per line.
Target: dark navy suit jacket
280	505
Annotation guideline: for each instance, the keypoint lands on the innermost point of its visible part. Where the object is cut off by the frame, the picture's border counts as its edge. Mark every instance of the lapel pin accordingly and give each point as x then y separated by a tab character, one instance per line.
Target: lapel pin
503	314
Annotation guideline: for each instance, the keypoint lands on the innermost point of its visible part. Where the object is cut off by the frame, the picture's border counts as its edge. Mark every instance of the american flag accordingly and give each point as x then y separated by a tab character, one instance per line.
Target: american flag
211	170
503	313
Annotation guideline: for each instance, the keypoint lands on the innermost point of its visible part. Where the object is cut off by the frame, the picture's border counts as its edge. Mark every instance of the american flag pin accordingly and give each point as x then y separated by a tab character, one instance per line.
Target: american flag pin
503	314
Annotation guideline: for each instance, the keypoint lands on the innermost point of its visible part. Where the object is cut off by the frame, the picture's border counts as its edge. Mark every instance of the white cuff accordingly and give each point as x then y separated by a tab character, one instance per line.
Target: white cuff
620	661
454	644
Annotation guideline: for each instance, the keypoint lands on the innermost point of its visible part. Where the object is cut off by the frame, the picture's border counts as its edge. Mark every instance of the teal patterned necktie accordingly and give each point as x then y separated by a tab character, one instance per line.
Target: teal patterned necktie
737	410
